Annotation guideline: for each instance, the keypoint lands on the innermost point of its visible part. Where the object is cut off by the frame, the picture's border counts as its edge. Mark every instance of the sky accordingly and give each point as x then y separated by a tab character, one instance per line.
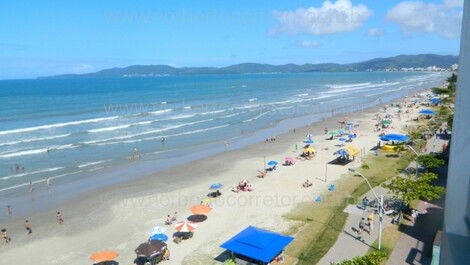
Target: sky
44	37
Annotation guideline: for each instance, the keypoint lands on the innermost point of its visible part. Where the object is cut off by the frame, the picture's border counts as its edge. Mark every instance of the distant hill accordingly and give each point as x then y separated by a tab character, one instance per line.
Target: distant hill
377	64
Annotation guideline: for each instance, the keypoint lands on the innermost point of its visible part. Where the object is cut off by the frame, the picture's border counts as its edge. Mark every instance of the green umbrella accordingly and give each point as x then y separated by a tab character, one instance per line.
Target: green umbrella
333	133
385	122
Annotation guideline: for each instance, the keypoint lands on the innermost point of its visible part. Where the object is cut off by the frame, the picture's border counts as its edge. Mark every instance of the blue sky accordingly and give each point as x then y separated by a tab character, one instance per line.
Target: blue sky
53	37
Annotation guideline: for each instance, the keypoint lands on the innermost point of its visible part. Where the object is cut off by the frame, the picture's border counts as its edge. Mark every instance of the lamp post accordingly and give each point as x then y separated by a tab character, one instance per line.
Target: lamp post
416	162
380	201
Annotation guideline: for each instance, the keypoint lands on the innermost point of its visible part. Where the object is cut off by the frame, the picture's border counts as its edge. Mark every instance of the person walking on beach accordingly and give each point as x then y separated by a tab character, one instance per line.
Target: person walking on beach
60	219
9	211
27	226
31	188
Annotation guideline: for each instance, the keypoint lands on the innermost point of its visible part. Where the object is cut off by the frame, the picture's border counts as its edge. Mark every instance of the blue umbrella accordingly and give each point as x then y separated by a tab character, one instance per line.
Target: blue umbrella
342	139
341	152
352	135
216	186
309	141
161	237
436	100
394	137
349	123
340	131
272	163
427	112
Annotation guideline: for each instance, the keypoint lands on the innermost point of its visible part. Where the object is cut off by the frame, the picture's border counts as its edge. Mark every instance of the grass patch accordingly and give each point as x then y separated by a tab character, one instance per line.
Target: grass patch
390	237
323	222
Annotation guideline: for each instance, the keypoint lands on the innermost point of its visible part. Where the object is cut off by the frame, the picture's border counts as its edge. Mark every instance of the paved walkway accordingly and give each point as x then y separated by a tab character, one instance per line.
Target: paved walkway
349	243
415	243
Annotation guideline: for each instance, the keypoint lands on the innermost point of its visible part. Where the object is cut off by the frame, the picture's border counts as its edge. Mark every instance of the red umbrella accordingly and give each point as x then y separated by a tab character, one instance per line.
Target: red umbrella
185	226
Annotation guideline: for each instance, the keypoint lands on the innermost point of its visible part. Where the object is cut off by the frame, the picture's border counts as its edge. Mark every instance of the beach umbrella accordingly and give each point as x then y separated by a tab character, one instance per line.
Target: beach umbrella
272	163
161	237
436	100
386	122
216	186
104	256
349	123
351	135
427	112
309	150
340	131
206	201
185	226
394	137
333	133
341	152
342	139
157	230
150	249
308	141
200	209
289	159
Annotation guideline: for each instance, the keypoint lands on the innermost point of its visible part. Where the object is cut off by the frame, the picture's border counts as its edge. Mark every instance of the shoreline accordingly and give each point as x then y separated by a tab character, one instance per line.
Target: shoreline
144	193
66	190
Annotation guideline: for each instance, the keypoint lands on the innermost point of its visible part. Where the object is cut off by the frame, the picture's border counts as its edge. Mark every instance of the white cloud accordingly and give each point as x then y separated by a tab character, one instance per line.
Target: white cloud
331	17
453	3
308	44
375	32
417	16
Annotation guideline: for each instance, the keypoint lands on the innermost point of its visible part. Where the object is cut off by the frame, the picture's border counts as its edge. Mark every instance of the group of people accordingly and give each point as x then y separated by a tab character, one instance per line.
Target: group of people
27	224
243	185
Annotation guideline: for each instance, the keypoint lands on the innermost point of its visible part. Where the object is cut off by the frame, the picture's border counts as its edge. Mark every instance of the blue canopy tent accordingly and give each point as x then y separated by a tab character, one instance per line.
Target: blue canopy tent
394	137
436	100
257	244
427	112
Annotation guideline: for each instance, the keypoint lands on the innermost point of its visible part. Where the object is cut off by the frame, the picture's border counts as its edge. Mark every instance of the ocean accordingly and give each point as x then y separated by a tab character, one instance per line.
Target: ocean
67	129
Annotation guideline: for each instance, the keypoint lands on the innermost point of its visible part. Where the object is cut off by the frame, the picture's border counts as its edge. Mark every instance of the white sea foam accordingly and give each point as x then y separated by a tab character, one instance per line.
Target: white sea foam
94	163
57	125
112	128
35	151
158	112
252	99
35	139
102	141
31	173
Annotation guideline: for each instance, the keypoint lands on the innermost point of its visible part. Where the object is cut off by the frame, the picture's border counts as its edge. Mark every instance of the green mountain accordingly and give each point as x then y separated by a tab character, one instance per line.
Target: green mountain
377	64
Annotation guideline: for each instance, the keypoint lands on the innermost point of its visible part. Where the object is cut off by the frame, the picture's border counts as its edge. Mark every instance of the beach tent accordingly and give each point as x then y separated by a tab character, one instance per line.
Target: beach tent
394	137
352	150
257	244
427	112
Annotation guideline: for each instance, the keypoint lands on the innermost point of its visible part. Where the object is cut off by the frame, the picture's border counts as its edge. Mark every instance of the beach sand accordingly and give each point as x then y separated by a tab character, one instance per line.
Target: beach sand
119	217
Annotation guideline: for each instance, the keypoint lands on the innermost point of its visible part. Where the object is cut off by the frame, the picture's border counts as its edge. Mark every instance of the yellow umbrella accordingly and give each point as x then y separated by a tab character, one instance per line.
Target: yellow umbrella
352	150
309	149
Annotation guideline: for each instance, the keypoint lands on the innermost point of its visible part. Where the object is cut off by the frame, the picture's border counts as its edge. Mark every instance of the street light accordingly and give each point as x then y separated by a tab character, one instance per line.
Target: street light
380	201
416	162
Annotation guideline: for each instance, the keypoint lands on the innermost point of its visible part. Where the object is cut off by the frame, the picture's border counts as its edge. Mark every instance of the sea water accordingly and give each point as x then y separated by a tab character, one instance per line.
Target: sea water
67	128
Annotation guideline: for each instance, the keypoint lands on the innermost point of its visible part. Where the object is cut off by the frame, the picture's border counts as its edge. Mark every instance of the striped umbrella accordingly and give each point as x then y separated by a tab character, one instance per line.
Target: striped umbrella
185	226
